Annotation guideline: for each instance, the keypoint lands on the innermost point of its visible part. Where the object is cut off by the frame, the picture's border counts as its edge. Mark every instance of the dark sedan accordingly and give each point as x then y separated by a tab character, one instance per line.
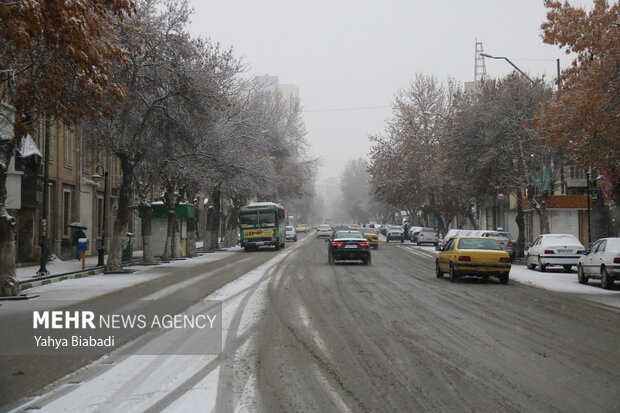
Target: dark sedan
348	246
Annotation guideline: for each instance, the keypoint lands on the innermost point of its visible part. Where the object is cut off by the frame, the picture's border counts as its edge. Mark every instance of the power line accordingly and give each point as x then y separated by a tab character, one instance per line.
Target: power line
348	109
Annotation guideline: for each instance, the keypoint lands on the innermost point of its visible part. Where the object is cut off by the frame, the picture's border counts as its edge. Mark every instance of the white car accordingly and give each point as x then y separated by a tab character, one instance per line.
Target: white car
395	233
602	261
324	230
428	236
291	234
554	249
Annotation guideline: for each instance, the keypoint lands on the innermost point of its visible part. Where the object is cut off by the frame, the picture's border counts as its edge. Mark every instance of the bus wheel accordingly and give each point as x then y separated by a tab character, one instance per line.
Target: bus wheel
248	248
277	246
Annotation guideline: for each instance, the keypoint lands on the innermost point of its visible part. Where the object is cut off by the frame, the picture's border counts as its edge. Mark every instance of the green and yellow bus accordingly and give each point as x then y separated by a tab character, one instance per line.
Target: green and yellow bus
262	224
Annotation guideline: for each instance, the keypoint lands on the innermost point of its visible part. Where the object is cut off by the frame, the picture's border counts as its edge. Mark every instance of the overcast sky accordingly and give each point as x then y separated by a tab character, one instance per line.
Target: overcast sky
348	57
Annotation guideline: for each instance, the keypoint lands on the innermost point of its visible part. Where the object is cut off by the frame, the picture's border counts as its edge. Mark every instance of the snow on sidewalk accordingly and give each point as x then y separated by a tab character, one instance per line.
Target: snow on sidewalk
557	280
96	285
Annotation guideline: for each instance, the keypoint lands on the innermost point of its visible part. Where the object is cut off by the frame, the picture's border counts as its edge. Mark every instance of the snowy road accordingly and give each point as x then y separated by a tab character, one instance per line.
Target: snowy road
300	335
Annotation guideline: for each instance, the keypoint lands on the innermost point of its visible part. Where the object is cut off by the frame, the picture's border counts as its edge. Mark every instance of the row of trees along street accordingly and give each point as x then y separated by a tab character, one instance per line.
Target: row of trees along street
179	113
445	149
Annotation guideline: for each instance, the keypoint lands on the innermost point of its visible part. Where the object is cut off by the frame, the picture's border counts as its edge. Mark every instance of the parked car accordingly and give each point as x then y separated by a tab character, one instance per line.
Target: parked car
602	261
395	233
453	233
428	236
324	230
371	235
348	246
505	239
413	233
477	256
554	249
291	234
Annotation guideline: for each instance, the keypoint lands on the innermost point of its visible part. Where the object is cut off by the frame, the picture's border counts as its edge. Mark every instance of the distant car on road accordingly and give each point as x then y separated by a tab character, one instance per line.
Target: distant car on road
348	246
395	233
477	256
505	240
428	236
413	233
302	228
370	234
291	234
324	231
554	249
602	261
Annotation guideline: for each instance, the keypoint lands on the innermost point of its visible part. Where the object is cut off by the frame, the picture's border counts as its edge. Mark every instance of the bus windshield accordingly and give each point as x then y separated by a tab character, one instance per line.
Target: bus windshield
267	219
248	220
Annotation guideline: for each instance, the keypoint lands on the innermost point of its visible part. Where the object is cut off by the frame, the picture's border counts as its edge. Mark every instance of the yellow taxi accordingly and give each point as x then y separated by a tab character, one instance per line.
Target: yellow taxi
302	228
370	234
477	256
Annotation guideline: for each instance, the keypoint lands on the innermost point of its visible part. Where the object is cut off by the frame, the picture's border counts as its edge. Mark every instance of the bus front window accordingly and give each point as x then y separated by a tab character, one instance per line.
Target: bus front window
248	220
267	219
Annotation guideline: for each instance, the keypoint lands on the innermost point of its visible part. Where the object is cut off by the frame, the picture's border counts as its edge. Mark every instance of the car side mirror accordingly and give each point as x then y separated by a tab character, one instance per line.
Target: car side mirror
528	245
327	240
438	248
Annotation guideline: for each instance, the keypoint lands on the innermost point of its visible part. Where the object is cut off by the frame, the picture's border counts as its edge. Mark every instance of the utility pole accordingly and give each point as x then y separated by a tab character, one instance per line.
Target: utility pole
43	271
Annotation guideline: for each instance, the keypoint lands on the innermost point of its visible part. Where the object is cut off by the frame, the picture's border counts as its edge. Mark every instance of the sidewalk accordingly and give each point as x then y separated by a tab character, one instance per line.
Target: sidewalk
92	282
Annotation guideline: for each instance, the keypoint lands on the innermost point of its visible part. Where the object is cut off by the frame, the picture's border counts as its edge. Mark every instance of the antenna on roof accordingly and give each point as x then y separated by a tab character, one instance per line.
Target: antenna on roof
480	70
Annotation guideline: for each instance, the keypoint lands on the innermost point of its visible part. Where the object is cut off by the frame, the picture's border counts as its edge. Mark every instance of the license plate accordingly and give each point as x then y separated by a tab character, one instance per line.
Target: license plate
350	246
563	251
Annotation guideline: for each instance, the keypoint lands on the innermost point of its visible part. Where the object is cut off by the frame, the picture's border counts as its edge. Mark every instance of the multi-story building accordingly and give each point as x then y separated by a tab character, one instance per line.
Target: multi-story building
75	193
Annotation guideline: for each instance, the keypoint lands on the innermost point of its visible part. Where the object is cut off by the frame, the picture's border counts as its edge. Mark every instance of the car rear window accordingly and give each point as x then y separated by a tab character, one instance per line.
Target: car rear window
349	234
479	244
325	227
289	228
562	238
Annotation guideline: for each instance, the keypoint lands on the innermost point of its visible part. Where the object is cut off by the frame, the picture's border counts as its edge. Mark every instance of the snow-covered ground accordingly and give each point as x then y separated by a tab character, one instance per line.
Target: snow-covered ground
175	383
96	285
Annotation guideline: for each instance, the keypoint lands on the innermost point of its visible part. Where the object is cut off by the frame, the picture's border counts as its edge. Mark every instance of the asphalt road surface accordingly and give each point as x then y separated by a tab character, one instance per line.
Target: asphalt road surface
393	337
302	335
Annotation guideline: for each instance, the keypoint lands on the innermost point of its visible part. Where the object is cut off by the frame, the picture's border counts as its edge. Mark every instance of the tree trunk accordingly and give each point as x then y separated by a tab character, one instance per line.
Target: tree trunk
176	237
520	221
230	239
122	219
147	234
8	229
168	245
541	210
213	221
190	247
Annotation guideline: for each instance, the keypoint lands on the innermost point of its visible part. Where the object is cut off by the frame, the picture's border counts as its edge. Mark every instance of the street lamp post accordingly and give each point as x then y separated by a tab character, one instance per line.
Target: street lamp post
43	271
511	64
99	173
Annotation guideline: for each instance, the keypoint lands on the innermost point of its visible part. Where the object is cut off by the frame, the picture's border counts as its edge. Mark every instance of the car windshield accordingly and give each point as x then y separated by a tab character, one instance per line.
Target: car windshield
479	244
367	230
290	228
349	234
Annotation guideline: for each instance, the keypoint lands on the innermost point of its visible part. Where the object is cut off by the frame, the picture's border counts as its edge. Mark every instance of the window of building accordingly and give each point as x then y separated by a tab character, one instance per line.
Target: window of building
67	212
69	146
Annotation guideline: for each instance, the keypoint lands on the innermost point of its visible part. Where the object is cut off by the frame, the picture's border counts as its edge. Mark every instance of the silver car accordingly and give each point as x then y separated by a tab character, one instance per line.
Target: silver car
505	240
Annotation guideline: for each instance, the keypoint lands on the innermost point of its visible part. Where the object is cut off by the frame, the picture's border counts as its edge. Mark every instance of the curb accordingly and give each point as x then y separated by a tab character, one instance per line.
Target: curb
27	284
